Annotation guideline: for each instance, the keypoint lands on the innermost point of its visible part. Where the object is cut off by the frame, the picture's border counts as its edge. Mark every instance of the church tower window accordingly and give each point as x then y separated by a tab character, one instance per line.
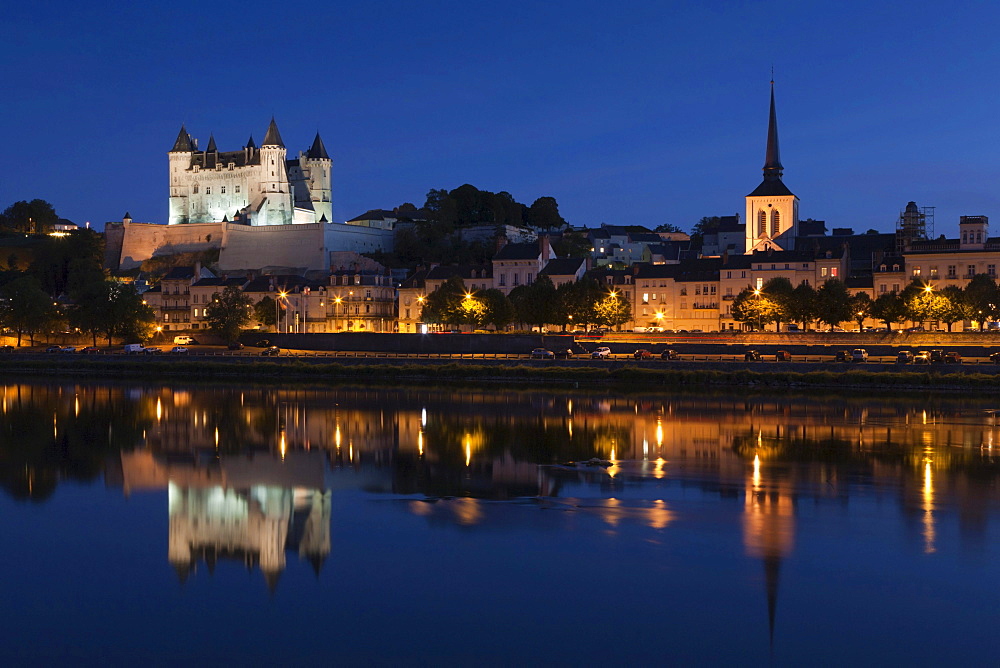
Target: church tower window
761	223
775	223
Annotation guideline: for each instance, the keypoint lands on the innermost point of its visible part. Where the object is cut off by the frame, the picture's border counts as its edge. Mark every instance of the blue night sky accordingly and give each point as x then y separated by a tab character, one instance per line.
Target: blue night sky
634	112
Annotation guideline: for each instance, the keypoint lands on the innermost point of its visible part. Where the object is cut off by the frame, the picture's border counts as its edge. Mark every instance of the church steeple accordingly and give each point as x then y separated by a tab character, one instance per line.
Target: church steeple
772	161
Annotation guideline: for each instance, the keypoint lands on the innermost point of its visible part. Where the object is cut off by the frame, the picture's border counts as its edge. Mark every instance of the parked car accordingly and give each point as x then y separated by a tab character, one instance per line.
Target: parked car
923	357
669	354
53	349
995	358
952	357
90	350
271	351
235	346
904	357
542	354
565	353
601	353
937	357
859	355
133	348
179	350
68	349
642	354
782	356
751	356
792	328
842	356
152	351
6	348
263	343
184	340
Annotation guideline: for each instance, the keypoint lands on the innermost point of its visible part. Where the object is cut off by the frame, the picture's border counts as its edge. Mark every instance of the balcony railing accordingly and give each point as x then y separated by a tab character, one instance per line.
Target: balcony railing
705	306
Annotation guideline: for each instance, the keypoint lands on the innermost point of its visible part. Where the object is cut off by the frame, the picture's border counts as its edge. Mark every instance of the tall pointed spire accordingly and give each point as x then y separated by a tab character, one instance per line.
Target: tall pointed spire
318	150
211	144
772	161
273	137
250	143
183	142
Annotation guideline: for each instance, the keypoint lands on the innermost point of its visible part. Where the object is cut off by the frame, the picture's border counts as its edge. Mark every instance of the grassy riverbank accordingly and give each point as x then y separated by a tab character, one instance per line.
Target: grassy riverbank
472	373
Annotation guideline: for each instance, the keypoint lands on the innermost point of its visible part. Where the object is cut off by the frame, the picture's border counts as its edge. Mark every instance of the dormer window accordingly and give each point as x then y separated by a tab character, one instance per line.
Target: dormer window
231	165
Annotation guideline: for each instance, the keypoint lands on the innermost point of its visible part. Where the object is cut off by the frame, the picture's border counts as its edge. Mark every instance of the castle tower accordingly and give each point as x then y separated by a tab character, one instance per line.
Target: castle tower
320	167
772	211
276	205
179	160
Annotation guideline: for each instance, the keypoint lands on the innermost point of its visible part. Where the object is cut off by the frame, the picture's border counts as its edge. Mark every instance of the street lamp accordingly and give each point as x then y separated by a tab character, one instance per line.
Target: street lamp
756	294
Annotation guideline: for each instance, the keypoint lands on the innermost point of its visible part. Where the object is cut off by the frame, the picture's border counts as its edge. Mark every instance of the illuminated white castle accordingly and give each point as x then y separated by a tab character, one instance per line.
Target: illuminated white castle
258	186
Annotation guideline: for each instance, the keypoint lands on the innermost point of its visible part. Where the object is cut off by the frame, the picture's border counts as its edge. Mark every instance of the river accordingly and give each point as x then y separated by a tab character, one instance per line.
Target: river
396	525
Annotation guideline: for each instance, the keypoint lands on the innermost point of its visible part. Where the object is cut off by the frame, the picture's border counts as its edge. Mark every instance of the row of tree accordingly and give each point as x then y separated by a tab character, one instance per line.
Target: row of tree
832	303
580	304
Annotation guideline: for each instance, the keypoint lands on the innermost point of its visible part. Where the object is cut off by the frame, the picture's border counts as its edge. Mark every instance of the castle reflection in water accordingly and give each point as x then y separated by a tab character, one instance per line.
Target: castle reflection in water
249	473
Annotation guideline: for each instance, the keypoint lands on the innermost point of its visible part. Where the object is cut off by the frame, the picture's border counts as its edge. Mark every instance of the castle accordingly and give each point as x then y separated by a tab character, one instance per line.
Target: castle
257	186
259	209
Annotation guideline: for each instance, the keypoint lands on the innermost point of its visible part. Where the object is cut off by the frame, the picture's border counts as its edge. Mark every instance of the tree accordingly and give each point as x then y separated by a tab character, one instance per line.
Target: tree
535	304
753	307
957	309
668	227
779	290
613	310
924	305
981	297
544	214
444	305
889	308
25	308
34	217
803	307
111	308
861	307
265	311
834	302
572	244
229	312
499	311
706	225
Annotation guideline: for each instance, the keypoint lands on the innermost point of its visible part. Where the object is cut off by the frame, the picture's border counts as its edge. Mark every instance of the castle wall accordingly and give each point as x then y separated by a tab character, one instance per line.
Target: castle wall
254	247
141	241
343	237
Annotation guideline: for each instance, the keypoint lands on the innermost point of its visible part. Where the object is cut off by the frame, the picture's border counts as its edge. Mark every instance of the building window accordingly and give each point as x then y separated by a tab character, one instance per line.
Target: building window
979	237
684	291
729	274
645	297
503	280
952	270
516	279
991	270
934	272
208	190
760	283
881	288
833	272
775	223
194	189
527	279
971	270
237	190
822	272
895	287
223	190
743	274
761	222
916	271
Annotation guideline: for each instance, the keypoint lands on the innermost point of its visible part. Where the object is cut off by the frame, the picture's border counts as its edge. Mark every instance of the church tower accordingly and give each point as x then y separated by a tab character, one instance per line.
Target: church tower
772	213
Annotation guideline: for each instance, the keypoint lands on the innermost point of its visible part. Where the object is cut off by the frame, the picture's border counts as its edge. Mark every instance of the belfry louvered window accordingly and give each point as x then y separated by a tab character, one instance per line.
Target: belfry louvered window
761	223
775	223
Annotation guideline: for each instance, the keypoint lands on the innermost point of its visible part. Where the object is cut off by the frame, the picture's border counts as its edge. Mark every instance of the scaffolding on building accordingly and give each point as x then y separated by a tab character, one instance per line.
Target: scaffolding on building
915	223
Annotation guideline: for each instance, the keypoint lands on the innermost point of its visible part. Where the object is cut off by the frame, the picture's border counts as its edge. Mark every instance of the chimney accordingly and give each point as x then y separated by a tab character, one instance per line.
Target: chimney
543	244
501	242
197	270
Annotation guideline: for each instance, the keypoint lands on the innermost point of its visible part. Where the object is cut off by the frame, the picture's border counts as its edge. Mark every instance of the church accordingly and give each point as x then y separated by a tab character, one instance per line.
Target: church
255	186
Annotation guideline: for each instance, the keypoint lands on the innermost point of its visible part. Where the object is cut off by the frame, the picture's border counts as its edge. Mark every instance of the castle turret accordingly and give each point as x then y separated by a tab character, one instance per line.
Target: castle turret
179	161
276	205
315	189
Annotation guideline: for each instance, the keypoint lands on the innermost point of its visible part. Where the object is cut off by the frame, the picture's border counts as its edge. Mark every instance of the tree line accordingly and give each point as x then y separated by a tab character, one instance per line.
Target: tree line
581	304
831	304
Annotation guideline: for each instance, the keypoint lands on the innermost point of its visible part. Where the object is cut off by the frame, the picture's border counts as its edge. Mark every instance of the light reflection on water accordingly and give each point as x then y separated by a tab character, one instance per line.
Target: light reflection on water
263	478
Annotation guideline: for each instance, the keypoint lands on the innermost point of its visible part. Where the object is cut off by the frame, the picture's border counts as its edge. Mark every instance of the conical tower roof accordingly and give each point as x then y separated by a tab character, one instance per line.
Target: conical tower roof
317	150
211	145
250	143
183	143
273	137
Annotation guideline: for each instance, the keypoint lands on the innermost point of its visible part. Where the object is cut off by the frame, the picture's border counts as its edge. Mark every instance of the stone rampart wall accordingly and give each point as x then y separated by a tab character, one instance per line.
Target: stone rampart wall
141	241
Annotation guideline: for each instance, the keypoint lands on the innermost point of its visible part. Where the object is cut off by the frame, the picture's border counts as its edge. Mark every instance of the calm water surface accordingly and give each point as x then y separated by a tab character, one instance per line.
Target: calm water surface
416	526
